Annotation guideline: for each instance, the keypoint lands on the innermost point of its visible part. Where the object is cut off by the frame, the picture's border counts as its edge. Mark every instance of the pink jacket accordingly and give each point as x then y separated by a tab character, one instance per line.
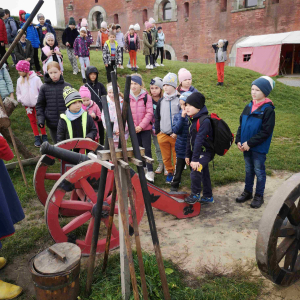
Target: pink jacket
46	50
27	93
142	114
94	108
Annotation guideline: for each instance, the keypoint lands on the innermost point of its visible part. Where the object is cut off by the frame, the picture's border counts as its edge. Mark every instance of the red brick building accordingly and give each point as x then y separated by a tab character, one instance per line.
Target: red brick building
191	26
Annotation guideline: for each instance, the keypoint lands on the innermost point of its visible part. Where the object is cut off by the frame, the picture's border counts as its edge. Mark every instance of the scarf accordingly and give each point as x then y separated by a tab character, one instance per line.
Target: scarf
73	116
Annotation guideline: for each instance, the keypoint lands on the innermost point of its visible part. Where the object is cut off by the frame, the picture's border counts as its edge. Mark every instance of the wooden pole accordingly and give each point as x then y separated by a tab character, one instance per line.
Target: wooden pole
293	60
128	178
15	146
121	201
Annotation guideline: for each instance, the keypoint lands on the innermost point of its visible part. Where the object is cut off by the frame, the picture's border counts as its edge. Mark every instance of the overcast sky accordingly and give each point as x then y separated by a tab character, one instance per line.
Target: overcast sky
47	9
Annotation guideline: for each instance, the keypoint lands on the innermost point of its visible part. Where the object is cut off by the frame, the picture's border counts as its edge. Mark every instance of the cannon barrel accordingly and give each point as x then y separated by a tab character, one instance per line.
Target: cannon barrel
66	155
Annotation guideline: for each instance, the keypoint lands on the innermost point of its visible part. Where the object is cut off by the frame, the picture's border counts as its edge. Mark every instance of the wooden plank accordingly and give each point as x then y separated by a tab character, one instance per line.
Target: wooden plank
136	161
104	163
147	159
124	165
124	263
105	154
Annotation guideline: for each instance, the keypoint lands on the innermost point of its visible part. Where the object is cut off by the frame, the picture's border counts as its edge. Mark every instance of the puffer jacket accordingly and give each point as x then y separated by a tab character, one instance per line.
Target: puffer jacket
32	36
28	53
148	48
50	103
6	85
181	128
28	92
160	40
94	108
3	34
142	114
42	30
81	47
106	54
11	29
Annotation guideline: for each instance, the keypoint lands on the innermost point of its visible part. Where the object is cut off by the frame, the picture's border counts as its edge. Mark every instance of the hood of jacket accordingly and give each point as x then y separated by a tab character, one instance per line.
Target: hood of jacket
89	70
256	105
32	75
21	12
170	97
136	98
47	79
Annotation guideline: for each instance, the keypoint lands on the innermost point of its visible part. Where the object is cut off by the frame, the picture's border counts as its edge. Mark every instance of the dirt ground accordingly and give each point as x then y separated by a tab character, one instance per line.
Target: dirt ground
223	234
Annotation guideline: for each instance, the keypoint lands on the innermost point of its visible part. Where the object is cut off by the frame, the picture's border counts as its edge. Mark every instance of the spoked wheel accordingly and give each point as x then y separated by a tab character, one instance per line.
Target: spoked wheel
79	229
278	240
42	176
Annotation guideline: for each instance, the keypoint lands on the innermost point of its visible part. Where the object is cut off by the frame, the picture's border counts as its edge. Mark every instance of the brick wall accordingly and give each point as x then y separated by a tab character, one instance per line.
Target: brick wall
205	25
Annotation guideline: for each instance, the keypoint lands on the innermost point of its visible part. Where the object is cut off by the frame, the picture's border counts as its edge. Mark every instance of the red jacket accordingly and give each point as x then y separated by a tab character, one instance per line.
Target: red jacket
3	33
5	152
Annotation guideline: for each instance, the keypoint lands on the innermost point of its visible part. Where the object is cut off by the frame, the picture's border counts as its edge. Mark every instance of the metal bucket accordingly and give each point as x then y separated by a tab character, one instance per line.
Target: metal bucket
50	284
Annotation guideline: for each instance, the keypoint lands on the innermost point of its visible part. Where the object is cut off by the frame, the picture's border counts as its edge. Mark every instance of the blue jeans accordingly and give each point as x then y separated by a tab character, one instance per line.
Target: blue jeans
255	165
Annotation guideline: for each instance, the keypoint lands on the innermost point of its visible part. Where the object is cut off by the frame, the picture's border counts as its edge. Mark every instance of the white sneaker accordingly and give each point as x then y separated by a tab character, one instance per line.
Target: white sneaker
165	172
150	176
137	67
157	65
129	66
145	170
185	167
151	67
160	168
121	67
162	65
148	67
74	73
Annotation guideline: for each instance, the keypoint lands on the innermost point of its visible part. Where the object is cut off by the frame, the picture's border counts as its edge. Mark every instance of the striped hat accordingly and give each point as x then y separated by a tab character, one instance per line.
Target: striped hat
71	95
265	83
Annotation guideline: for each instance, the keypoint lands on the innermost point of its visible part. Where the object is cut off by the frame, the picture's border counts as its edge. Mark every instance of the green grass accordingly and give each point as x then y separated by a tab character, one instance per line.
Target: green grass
182	285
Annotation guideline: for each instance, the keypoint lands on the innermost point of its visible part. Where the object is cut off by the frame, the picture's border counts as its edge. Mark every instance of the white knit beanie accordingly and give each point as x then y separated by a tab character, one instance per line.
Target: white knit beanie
104	25
136	27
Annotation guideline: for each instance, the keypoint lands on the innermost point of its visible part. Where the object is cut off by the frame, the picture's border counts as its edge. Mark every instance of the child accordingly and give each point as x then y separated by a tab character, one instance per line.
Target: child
120	41
136	28
3	34
155	34
89	37
102	36
22	14
185	82
254	137
68	39
91	107
220	56
97	90
160	45
24	50
113	114
82	52
28	87
111	55
180	128
50	100
51	52
43	28
132	45
142	113
11	213
156	92
167	108
149	42
6	85
75	122
198	151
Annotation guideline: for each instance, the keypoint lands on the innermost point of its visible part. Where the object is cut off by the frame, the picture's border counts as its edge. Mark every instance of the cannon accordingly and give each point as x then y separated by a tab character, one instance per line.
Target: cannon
278	239
71	204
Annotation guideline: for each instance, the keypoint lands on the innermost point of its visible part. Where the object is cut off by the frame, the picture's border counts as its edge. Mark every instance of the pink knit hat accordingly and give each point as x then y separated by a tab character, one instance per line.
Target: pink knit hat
23	66
84	22
84	92
184	74
148	25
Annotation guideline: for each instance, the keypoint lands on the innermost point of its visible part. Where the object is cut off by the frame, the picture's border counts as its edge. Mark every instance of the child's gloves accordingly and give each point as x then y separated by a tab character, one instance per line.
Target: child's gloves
41	125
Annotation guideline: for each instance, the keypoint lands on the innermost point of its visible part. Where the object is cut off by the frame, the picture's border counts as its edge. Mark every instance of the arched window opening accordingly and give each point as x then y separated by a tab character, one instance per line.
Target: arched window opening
186	9
168	55
116	18
185	58
167	11
96	1
97	20
145	16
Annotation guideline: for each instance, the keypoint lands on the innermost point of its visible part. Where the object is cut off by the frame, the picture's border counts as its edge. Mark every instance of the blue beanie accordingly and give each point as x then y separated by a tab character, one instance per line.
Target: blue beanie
27	16
265	84
137	79
184	96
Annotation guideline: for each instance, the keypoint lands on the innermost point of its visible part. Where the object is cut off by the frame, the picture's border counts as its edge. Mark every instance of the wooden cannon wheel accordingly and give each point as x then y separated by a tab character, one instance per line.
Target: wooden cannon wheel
42	174
79	229
278	240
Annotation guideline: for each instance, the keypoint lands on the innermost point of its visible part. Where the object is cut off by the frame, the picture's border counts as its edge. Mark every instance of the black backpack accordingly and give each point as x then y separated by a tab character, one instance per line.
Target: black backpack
222	136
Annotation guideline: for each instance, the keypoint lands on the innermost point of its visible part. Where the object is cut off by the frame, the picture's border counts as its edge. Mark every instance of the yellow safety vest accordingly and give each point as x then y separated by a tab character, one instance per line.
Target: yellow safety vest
109	45
69	124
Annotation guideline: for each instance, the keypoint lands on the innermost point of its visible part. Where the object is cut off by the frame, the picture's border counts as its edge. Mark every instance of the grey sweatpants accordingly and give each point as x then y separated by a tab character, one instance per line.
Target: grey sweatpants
72	59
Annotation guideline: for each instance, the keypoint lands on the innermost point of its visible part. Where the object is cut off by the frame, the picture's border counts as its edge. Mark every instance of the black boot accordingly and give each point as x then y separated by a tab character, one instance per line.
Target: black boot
219	83
257	201
244	197
37	141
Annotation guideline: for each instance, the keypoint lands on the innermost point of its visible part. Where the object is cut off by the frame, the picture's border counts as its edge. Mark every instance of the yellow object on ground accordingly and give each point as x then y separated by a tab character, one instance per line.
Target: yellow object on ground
9	291
2	262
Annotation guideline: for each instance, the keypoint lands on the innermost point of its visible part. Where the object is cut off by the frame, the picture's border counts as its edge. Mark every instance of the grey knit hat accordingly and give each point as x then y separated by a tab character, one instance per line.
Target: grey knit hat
157	81
72	21
40	15
170	79
71	95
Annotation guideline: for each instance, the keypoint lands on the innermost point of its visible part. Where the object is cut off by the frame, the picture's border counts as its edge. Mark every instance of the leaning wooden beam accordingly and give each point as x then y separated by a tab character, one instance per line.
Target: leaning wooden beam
25	162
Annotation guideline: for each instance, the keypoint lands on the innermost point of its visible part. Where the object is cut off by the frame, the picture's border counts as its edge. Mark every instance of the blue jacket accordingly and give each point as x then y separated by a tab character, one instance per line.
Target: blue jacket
196	141
181	128
32	36
191	89
256	128
42	33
